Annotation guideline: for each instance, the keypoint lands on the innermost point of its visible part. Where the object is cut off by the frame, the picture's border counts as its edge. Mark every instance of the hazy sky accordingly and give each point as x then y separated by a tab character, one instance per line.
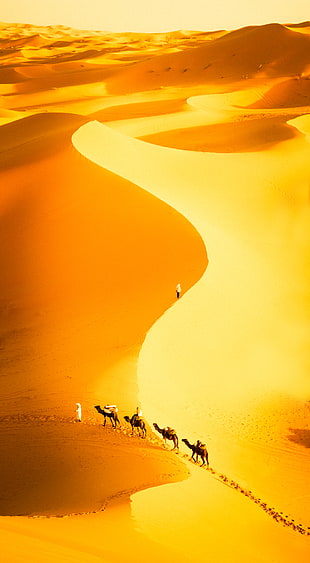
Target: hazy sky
154	15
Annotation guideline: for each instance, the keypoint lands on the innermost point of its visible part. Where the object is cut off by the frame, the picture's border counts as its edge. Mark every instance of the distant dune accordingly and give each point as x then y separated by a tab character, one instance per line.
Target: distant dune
289	93
270	50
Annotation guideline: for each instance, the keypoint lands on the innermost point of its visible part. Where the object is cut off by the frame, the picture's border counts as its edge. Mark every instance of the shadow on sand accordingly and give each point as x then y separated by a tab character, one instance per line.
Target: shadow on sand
300	436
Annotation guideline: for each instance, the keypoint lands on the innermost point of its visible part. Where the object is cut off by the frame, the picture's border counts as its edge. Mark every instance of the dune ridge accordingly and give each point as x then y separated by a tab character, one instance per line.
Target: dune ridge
130	170
47	313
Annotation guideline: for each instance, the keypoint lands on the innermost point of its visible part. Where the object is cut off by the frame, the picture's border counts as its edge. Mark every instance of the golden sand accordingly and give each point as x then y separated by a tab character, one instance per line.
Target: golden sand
130	163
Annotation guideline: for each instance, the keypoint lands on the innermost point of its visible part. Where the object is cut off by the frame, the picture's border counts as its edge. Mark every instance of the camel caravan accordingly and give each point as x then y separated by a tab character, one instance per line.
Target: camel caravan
138	425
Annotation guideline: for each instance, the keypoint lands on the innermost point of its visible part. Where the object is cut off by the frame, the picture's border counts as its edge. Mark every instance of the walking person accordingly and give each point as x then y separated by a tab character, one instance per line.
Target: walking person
178	290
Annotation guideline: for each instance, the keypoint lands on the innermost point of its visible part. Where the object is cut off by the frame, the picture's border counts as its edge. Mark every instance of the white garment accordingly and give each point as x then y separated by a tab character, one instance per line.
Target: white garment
79	412
111	408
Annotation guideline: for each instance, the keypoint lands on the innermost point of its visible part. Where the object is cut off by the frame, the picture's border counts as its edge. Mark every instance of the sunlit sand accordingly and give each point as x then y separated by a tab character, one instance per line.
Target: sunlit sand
130	163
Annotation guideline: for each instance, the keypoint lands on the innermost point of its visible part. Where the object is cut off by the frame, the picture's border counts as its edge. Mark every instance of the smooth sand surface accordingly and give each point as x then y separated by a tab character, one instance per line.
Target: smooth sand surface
130	163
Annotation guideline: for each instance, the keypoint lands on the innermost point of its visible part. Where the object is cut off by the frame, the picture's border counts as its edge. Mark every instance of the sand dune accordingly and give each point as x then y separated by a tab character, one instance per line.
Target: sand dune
226	137
35	137
70	294
270	50
138	110
200	159
290	93
48	481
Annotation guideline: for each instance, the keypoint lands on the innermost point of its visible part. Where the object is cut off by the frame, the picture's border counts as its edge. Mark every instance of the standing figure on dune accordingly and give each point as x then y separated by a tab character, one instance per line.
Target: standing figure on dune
78	411
178	290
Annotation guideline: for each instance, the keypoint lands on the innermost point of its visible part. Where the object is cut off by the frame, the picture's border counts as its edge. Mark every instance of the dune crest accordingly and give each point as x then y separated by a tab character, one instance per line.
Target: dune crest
70	296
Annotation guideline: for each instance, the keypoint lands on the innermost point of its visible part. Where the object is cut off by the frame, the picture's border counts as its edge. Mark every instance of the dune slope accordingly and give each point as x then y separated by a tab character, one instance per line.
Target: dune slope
77	266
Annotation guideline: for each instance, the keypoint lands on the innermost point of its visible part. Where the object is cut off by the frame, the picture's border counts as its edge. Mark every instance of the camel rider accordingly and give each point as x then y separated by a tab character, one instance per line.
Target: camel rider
110	408
138	414
200	444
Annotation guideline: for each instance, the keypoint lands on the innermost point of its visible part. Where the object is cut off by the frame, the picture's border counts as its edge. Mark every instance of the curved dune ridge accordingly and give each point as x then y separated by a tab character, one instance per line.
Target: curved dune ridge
256	135
95	139
122	158
70	296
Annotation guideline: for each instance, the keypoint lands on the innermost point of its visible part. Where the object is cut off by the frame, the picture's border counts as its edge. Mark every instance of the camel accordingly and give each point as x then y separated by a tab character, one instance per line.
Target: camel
199	450
168	434
137	422
113	416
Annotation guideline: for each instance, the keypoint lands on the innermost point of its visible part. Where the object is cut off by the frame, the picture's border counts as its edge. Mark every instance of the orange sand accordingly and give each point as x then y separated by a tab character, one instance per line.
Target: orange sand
101	217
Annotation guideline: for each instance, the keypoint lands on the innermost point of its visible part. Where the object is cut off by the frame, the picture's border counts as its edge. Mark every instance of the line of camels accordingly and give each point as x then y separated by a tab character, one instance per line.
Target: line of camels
199	450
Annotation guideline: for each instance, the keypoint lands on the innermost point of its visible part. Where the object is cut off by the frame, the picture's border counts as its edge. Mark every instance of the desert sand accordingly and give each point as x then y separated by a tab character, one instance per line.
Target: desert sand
130	163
